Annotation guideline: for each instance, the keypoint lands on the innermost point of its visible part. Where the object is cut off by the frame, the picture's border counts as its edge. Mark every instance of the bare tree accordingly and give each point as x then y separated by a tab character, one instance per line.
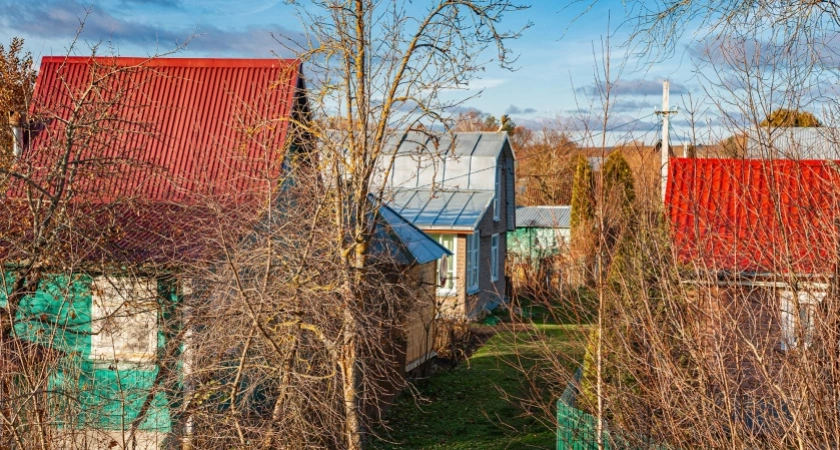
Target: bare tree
719	335
58	248
382	67
17	79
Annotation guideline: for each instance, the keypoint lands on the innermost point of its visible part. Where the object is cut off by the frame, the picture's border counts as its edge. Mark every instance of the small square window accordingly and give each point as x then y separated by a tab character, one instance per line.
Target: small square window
798	317
123	319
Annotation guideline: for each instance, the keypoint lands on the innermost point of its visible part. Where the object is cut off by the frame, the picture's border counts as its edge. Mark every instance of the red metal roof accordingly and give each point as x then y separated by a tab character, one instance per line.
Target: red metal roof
750	215
160	134
181	126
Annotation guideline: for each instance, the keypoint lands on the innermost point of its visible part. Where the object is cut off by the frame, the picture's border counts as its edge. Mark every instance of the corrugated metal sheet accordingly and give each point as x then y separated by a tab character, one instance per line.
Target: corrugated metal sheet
182	127
161	137
768	216
543	216
794	143
424	160
442	181
420	247
443	210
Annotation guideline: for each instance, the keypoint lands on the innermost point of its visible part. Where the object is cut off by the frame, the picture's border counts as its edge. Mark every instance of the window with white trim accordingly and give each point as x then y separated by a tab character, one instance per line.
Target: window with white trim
797	317
494	257
446	266
123	319
496	203
472	261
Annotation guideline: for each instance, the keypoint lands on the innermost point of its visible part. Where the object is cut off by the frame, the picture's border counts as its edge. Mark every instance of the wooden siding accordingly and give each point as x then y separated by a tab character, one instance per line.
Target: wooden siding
420	323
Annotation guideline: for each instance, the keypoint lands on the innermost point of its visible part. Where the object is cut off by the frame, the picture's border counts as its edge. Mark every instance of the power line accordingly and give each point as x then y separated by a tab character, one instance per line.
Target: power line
577	142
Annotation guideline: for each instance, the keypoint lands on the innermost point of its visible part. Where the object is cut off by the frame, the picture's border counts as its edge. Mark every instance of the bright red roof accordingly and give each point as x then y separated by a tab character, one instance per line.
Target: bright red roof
750	215
162	134
182	126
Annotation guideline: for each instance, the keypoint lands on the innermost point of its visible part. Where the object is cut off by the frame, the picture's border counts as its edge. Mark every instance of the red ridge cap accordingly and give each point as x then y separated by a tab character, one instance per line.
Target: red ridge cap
173	62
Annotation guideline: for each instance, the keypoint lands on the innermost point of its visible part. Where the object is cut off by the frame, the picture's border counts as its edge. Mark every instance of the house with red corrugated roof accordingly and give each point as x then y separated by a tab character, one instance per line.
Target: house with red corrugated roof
139	154
762	234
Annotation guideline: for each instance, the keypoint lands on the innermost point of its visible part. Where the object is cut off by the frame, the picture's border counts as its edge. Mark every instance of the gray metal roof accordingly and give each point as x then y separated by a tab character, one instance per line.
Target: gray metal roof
421	247
794	143
543	216
443	161
444	210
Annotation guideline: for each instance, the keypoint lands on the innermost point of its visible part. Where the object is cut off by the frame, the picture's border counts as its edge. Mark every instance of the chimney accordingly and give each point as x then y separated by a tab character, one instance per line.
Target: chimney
16	122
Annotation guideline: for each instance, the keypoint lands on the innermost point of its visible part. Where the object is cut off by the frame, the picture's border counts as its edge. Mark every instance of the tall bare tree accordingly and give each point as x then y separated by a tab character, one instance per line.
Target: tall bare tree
382	67
720	339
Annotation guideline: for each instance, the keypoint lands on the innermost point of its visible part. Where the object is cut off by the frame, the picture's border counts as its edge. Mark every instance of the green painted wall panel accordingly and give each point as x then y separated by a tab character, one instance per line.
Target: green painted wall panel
58	313
536	243
88	394
112	398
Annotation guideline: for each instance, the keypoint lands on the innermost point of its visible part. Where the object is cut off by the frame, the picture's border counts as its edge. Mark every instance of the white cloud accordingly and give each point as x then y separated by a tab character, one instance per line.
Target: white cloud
486	83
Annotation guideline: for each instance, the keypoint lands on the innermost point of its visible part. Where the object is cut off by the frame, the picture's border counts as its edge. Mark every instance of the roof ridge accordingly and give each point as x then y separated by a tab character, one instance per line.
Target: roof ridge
173	62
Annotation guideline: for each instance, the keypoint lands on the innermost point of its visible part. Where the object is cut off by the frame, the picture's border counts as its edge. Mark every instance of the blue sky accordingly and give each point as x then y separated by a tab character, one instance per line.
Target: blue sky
554	80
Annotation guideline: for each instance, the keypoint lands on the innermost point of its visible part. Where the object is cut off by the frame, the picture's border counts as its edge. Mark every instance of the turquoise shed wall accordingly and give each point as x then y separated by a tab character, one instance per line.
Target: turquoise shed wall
536	243
90	394
61	300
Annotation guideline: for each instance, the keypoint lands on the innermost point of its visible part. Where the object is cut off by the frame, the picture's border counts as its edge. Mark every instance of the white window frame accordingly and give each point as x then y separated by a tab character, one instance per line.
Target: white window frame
494	257
496	203
510	195
797	310
473	261
452	267
124	319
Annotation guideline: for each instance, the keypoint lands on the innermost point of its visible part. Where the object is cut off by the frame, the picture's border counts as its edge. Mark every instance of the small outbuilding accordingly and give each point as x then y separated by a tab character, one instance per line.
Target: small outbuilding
539	246
541	231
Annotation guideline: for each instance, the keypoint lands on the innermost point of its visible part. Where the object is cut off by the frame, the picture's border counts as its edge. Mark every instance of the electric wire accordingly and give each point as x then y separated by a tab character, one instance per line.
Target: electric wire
578	141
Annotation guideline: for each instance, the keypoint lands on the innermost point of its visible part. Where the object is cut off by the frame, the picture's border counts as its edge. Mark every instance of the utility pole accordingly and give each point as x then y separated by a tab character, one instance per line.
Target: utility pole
665	113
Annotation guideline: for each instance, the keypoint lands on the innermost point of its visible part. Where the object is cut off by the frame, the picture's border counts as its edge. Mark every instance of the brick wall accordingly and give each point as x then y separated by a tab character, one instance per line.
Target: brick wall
491	292
729	316
453	306
474	305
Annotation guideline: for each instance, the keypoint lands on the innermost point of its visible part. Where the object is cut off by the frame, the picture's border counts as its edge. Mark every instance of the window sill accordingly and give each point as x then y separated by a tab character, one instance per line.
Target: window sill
447	293
472	291
122	365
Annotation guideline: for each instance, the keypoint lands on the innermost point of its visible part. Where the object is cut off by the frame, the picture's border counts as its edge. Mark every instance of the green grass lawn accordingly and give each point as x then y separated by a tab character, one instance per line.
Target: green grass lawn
463	408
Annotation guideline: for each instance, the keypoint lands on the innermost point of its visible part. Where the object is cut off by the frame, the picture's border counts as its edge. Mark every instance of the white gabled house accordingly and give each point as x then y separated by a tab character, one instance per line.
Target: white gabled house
458	188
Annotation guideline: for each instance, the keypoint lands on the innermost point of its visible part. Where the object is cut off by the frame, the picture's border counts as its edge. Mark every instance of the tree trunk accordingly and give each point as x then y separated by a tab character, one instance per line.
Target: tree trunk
285	383
351	383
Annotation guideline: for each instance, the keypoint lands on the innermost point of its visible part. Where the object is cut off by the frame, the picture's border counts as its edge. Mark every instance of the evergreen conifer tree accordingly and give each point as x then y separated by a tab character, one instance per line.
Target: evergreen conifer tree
583	201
